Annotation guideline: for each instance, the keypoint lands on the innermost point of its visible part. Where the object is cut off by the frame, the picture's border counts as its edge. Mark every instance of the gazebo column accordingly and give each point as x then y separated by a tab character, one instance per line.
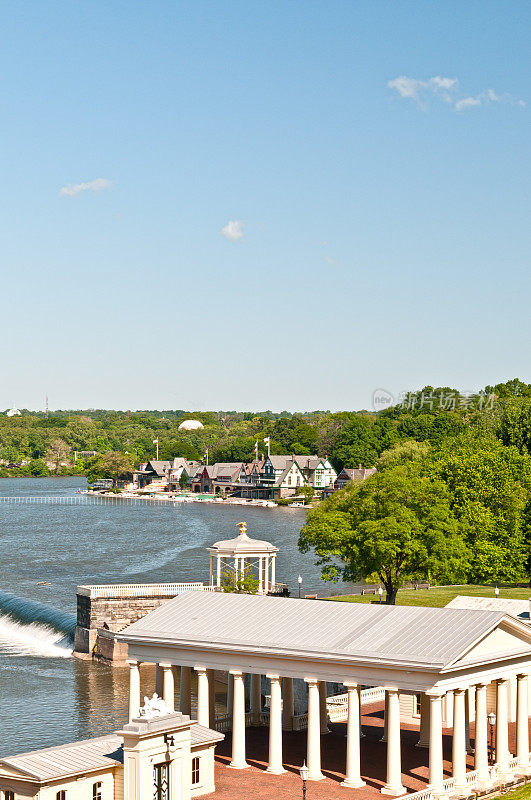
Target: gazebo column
168	687
211	573
522	724
202	696
458	741
502	723
394	761
260	575
266	574
481	755
256	698
211	675
185	692
314	734
353	767
218	571
273	572
275	727
362	735
230	694
436	775
288	705
238	722
323	709
134	688
424	734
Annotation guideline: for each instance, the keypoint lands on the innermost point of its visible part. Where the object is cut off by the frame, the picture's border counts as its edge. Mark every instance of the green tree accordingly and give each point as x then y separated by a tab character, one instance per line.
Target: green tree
183	480
397	525
116	466
243	582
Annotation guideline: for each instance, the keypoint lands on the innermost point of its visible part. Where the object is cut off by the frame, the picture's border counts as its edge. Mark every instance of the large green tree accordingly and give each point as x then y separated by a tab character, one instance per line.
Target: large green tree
396	526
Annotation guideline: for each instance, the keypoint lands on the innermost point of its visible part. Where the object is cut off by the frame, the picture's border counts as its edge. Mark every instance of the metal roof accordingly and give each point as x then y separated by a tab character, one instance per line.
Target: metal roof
514	607
68	759
88	755
370	633
242	544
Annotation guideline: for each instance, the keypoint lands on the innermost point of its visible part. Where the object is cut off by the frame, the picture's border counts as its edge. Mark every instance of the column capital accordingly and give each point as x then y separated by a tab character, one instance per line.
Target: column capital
502	680
200	668
435	693
237	673
273	677
165	665
481	684
459	690
351	684
391	689
311	681
522	675
133	662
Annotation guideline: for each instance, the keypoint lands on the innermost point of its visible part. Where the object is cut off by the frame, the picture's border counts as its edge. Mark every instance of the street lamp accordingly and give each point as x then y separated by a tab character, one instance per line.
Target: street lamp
496	592
299	581
304	771
492	722
380	592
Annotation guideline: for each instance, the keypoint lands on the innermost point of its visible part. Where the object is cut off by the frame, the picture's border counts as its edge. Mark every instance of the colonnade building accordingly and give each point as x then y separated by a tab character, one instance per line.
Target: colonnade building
409	651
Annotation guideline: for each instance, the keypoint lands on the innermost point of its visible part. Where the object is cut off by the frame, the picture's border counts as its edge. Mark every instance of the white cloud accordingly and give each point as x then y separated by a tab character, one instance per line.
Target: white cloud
445	89
73	189
233	230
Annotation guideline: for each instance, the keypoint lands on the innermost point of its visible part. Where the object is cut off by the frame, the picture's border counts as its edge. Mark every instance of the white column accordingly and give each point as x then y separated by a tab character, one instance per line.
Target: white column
238	722
436	751
502	722
230	694
353	767
288	707
424	734
202	696
458	741
323	710
481	755
134	689
211	675
211	571
275	727
362	735
313	754
522	723
185	698
260	575
158	680
256	698
218	571
168	687
273	575
394	761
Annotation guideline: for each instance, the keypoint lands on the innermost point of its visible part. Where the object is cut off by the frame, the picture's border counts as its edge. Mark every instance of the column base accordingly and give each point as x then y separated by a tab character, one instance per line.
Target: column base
319	777
243	765
394	790
353	784
275	771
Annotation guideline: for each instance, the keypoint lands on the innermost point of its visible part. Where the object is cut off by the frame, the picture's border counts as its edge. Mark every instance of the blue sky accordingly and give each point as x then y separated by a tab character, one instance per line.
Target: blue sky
261	205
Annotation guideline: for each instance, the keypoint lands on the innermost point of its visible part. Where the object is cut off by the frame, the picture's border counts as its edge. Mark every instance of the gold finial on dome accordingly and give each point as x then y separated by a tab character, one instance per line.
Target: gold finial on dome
243	528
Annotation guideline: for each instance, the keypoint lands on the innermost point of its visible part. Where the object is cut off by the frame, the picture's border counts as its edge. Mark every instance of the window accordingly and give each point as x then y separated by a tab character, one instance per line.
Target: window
61	795
97	791
195	771
161	781
9	795
416	705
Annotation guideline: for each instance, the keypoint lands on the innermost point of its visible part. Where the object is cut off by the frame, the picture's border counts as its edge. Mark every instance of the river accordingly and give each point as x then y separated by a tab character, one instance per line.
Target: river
47	697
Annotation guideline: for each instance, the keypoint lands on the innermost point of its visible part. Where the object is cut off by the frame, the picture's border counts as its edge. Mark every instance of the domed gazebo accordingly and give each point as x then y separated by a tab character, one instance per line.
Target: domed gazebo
239	554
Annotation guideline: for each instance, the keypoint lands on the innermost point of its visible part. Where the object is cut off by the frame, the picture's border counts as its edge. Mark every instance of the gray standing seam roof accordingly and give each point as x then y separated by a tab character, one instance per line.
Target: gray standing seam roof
372	633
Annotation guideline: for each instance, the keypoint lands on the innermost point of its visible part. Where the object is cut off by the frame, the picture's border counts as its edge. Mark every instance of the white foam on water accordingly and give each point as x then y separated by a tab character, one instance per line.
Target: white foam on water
35	639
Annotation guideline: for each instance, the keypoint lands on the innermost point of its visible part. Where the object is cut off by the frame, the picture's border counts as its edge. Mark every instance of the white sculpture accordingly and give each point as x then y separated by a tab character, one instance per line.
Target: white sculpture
154	707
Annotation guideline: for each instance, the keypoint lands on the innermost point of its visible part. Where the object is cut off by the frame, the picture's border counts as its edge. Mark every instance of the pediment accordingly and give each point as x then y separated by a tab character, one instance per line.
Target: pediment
505	640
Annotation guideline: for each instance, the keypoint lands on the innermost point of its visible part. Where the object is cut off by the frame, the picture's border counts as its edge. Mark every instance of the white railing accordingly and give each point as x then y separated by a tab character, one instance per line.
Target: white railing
338	704
471	781
142	589
300	722
372	695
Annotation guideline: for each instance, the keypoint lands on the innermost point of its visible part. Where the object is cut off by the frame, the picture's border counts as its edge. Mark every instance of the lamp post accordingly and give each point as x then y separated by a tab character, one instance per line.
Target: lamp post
304	771
496	592
492	722
380	592
299	581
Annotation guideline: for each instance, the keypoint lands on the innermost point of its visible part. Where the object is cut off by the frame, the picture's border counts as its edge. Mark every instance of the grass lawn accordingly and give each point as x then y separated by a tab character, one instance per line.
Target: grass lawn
522	793
439	596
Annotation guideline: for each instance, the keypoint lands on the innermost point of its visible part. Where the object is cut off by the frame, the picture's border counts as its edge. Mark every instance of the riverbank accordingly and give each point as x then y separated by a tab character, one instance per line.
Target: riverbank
440	596
191	497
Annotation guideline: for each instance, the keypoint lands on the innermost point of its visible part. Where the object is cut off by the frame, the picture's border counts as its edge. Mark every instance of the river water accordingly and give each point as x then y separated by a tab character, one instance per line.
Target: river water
47	697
